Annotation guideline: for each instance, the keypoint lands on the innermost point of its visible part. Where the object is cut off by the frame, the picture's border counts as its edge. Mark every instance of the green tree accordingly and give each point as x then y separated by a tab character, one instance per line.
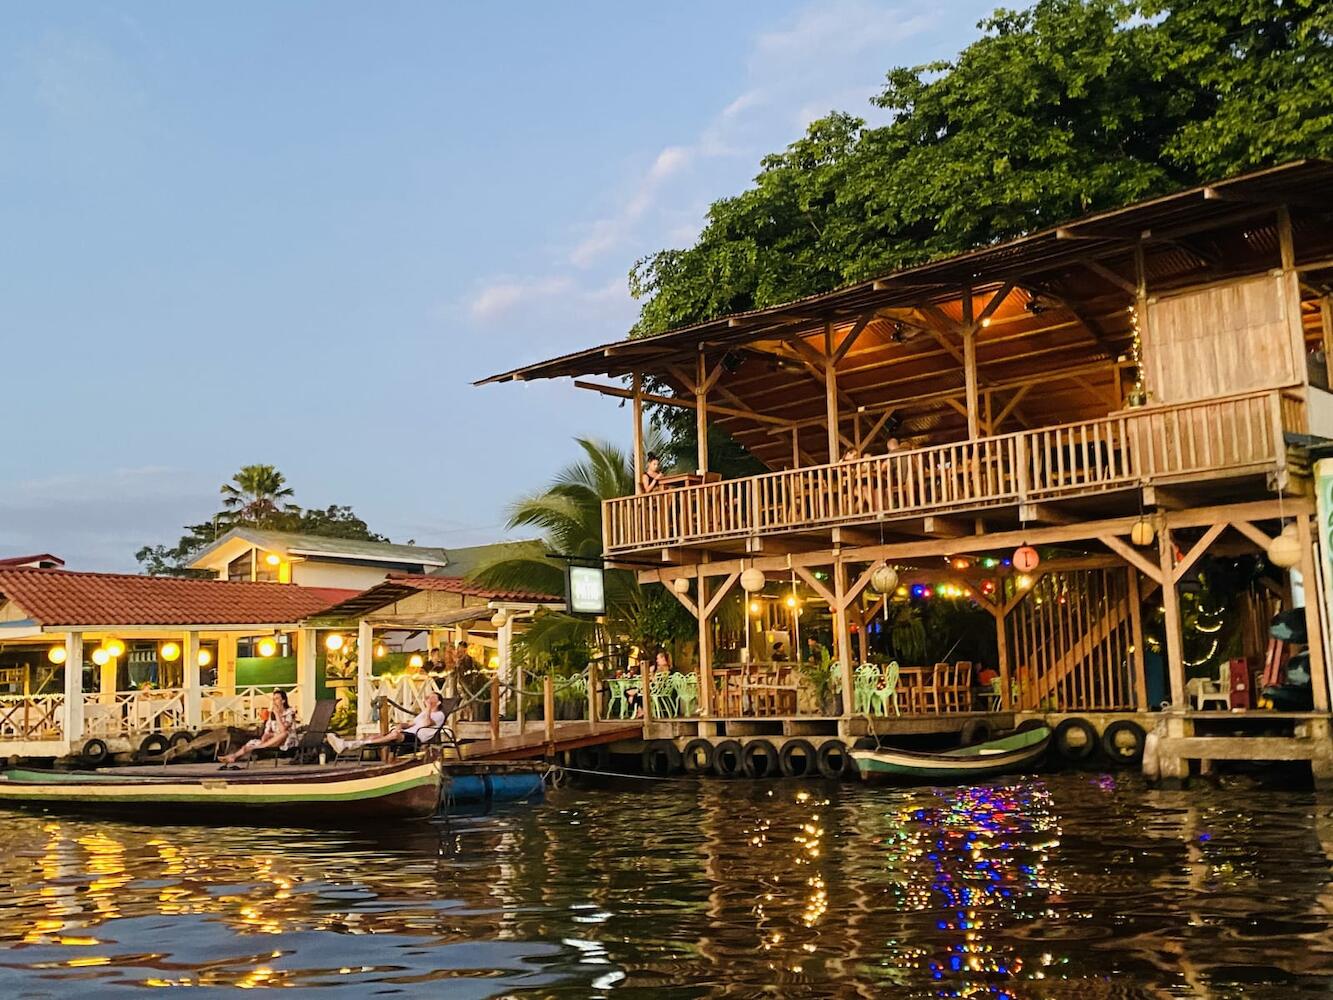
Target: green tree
257	495
568	513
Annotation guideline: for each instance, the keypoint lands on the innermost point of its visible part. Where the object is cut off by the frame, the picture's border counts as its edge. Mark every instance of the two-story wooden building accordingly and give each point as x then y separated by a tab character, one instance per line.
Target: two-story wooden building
1122	393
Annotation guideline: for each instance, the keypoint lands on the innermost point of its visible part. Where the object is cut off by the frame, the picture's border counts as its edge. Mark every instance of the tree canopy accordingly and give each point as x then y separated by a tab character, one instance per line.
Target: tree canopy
1067	107
257	496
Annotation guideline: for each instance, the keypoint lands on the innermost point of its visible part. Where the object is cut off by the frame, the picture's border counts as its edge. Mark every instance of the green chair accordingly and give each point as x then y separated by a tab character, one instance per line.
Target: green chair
886	691
687	693
665	701
619	687
864	684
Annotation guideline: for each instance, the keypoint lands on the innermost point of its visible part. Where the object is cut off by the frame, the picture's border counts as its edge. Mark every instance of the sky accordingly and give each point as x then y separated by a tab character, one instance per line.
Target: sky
295	233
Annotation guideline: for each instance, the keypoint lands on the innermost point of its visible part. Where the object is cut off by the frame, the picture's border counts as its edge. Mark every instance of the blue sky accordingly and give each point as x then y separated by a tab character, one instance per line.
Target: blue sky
295	233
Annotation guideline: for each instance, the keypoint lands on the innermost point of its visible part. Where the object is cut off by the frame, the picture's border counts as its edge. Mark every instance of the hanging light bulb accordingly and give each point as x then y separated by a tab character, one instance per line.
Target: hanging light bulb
56	654
170	652
205	658
334	643
101	657
266	646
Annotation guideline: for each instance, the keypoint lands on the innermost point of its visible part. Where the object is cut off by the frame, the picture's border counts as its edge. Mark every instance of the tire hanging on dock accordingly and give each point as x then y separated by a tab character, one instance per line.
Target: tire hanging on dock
832	759
975	731
759	759
660	758
1075	740
153	745
796	759
727	759
697	757
596	758
1123	742
94	752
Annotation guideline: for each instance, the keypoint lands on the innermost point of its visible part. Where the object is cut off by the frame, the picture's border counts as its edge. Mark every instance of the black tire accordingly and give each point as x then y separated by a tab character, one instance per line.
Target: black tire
596	758
660	758
180	738
95	752
832	759
697	757
1123	742
153	745
759	759
796	759
866	743
975	731
1027	725
727	759
1075	740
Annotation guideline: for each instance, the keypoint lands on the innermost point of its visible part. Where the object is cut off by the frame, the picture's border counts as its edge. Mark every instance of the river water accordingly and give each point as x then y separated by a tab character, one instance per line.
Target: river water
1071	885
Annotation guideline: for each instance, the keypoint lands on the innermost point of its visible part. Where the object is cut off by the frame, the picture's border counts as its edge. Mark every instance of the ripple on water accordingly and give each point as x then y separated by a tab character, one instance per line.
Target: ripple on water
1073	885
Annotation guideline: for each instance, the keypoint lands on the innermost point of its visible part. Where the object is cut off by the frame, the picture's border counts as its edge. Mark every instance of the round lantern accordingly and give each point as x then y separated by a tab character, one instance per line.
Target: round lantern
884	580
1284	550
170	652
1025	559
752	579
205	657
500	618
101	657
266	646
333	643
681	585
114	647
415	661
56	654
1143	532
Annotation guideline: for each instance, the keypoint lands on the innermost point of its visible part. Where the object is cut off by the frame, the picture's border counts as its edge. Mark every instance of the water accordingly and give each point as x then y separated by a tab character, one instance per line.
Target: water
1068	886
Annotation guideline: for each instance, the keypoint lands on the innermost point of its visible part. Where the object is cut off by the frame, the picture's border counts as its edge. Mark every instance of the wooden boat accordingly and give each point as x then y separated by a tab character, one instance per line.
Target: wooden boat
1000	756
298	795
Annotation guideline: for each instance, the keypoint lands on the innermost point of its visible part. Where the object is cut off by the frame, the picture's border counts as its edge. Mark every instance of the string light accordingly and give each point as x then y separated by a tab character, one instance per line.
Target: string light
1139	394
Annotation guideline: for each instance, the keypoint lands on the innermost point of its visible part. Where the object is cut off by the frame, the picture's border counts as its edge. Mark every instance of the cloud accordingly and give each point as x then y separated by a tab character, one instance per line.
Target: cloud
506	296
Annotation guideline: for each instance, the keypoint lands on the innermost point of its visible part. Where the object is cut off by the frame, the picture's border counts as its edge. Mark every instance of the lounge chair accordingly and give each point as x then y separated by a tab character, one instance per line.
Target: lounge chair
312	737
444	736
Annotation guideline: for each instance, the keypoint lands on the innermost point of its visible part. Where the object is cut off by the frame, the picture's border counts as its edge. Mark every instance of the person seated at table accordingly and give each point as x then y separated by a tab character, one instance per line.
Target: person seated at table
651	480
404	739
850	455
815	651
779	653
280	732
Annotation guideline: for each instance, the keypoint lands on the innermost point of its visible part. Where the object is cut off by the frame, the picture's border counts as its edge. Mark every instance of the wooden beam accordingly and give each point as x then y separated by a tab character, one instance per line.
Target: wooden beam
1131	556
637	389
722	592
1251	532
862	581
831	394
701	413
1199	548
848	340
1139	659
1313	623
1100	269
1175	643
684	599
682	403
970	367
816	586
943	527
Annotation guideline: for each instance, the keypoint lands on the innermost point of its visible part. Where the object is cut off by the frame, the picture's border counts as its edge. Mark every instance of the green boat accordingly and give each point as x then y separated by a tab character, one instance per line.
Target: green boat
1010	753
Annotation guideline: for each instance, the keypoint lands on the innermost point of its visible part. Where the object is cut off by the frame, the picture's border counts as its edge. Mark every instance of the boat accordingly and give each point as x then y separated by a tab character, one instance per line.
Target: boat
1009	753
288	794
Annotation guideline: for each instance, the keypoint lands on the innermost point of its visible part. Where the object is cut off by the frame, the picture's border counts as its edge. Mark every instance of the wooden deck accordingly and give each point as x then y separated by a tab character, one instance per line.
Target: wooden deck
537	742
1236	438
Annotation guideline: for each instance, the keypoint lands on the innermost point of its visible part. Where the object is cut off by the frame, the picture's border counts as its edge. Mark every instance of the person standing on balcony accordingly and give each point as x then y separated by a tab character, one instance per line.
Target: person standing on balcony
651	480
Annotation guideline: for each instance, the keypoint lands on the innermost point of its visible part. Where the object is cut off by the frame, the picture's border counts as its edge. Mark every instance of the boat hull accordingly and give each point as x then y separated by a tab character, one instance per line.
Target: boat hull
286	796
1014	753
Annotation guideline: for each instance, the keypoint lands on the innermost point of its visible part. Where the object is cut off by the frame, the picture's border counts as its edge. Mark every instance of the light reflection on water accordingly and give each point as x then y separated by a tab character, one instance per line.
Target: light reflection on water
1072	885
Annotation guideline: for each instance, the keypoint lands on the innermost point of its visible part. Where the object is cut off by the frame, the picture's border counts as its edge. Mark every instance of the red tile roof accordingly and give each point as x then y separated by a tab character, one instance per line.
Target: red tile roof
32	560
57	597
469	588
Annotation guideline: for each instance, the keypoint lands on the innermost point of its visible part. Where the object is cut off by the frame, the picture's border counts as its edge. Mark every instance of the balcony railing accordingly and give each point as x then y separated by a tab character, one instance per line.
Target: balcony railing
1209	439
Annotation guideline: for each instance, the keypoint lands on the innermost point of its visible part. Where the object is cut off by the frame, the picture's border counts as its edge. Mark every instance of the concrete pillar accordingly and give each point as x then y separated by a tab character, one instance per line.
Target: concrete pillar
365	659
305	672
194	712
506	668
227	663
73	686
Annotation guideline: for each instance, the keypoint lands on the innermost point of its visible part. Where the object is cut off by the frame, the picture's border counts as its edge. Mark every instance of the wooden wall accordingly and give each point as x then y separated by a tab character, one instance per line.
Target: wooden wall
1223	339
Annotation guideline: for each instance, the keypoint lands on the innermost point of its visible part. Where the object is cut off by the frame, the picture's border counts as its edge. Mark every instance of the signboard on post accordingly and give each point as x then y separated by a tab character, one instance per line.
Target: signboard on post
585	590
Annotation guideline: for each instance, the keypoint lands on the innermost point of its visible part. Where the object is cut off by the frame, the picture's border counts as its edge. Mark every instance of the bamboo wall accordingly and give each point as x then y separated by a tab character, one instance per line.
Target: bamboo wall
1069	641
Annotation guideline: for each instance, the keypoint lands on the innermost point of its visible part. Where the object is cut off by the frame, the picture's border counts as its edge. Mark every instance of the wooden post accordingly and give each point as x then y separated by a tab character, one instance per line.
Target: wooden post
842	636
495	706
548	710
194	715
705	652
594	690
1002	650
73	686
385	708
701	410
1313	625
1291	290
795	448
1141	310
1326	326
645	680
365	670
1136	637
831	394
305	671
1175	644
970	367
637	386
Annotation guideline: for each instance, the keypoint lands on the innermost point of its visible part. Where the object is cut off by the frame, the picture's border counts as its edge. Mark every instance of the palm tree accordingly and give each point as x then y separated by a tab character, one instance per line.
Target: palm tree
569	515
255	495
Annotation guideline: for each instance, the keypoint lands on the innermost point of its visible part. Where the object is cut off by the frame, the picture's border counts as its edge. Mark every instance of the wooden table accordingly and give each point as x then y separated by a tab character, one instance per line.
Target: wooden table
912	681
679	480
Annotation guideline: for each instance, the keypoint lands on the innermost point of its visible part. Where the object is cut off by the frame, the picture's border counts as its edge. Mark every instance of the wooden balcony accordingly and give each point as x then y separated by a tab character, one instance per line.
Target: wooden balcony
1233	439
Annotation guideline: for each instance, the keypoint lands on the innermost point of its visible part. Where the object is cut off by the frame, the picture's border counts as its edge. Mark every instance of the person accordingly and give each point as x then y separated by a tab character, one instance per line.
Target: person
434	664
661	664
470	683
279	732
851	455
815	651
651	480
894	445
779	653
405	739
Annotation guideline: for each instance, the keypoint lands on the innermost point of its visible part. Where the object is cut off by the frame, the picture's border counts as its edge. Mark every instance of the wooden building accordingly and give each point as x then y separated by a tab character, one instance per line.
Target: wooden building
1158	366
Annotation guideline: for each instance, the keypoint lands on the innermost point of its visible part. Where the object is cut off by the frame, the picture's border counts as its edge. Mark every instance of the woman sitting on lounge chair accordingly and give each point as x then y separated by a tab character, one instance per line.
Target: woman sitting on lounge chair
279	732
405	739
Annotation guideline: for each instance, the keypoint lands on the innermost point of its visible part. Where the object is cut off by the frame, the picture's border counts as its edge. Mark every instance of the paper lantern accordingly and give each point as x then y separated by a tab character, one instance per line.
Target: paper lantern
884	580
753	579
1285	550
267	646
333	643
1025	559
170	652
681	585
56	654
1143	532
500	618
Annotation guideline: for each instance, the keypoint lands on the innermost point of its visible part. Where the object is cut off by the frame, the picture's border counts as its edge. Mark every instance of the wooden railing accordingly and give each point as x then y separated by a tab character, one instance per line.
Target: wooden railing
31	717
1213	438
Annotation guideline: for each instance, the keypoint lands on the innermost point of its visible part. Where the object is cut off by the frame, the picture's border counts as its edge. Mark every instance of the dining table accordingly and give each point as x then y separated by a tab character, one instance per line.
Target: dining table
913	682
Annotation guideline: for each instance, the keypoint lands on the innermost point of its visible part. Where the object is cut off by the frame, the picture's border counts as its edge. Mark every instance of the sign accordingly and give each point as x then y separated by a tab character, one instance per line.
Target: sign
586	590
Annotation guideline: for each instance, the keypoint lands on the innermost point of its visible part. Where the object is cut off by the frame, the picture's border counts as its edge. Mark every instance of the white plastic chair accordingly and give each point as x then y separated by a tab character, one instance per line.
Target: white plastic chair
1204	689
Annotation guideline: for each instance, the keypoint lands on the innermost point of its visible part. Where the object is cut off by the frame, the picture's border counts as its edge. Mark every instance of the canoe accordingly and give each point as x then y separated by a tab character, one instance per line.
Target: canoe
1001	756
295	795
